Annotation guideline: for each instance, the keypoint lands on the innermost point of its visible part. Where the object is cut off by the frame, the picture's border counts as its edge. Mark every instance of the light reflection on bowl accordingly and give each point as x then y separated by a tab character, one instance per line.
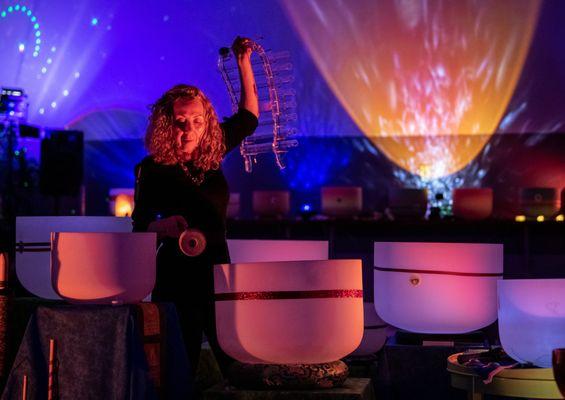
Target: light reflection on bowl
103	268
437	287
531	318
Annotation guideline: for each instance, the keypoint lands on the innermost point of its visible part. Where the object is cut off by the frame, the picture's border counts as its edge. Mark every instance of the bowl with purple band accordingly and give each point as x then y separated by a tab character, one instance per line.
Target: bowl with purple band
291	312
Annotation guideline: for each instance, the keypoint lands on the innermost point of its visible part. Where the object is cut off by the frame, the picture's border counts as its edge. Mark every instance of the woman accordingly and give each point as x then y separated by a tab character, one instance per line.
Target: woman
180	184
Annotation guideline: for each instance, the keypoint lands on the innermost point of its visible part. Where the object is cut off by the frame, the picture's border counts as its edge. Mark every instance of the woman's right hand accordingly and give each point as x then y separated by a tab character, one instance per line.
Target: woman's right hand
242	47
168	227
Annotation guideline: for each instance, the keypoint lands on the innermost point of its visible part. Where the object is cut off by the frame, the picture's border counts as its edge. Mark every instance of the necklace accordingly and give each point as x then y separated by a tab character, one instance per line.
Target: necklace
196	178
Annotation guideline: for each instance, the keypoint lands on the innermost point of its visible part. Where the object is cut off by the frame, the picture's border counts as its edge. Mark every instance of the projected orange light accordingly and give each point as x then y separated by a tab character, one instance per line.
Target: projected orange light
426	81
124	206
121	201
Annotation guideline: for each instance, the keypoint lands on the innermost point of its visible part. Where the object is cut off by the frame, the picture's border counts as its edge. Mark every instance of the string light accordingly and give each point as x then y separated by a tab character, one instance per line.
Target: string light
37	34
36	31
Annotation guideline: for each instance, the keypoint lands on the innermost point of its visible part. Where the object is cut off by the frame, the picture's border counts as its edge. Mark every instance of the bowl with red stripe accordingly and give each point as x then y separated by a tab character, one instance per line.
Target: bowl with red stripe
291	312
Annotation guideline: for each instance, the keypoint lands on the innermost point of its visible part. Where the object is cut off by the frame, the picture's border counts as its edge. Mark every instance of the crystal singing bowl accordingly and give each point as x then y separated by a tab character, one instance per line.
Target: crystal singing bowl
33	256
531	318
437	287
374	334
103	268
559	369
472	203
276	250
292	312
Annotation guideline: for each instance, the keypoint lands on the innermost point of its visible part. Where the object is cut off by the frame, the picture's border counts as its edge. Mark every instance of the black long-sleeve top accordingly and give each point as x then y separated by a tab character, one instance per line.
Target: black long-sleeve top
165	190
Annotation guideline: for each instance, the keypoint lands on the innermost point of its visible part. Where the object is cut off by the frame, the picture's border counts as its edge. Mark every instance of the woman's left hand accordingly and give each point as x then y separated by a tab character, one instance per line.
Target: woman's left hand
241	47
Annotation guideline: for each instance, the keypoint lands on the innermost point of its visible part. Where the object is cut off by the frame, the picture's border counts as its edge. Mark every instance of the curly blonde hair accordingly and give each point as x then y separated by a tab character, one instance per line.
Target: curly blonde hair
160	135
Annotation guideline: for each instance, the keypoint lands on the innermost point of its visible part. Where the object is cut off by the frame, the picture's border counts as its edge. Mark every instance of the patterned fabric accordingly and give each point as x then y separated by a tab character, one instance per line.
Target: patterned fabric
99	354
4	304
489	363
288	376
149	316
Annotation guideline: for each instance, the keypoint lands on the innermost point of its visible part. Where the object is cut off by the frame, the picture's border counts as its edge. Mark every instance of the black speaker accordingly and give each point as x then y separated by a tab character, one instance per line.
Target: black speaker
61	167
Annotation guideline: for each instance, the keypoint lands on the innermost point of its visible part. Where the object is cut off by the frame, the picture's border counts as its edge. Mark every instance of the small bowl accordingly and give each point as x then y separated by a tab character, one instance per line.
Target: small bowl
472	203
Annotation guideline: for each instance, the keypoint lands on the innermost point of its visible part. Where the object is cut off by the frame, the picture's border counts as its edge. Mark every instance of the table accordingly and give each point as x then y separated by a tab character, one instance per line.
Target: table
99	354
535	383
410	372
353	389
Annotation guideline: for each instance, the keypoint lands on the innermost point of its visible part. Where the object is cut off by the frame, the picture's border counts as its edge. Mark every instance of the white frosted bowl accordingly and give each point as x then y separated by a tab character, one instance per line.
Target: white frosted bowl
437	287
374	332
33	235
531	318
294	312
103	268
276	250
341	201
472	203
